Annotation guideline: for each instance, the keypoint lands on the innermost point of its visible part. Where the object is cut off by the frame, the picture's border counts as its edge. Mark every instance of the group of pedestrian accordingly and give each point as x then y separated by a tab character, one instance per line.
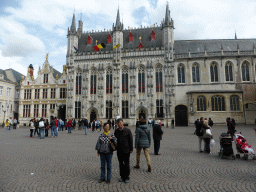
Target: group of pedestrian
122	140
8	124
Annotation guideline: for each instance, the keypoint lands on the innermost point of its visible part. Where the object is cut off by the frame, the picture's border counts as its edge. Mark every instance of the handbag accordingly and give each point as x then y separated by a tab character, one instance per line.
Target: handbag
112	146
208	132
212	142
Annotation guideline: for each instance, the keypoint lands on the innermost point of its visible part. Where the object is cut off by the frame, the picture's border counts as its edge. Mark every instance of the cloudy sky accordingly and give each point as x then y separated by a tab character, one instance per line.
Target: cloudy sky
31	28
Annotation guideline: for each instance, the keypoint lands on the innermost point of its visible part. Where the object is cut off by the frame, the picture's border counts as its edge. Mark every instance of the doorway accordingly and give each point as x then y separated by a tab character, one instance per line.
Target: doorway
142	114
62	112
93	116
181	115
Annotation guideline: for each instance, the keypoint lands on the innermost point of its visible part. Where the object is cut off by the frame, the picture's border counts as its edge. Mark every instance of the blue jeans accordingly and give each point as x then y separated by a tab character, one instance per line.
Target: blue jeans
7	128
56	131
36	131
52	131
207	145
106	157
42	133
85	130
149	126
69	129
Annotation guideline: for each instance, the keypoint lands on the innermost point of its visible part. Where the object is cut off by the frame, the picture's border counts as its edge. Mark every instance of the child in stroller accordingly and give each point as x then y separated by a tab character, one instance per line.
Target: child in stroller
243	147
226	146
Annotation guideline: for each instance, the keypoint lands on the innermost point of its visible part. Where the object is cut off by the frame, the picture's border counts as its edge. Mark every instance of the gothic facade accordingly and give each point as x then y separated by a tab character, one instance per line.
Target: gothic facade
152	75
44	96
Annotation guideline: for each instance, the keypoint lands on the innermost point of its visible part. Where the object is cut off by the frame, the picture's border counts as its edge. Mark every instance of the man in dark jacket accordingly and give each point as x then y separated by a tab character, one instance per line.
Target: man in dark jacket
210	123
157	136
124	148
199	132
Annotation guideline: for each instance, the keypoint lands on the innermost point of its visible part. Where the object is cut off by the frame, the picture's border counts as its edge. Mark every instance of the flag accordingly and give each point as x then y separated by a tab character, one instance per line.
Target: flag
99	46
116	46
75	48
140	45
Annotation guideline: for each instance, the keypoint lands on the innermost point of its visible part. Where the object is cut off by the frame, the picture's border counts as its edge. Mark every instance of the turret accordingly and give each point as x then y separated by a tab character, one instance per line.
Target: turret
80	27
118	31
168	30
30	71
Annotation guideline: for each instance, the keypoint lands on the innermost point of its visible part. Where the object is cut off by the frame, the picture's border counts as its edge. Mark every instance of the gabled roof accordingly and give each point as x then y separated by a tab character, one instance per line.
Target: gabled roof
17	76
55	72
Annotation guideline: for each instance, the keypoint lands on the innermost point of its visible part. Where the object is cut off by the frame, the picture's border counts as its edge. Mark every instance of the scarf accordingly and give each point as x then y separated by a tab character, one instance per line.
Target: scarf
106	133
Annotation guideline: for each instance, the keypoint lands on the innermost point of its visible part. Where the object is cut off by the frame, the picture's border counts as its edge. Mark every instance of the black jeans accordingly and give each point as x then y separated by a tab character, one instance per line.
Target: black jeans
31	132
46	133
124	164
207	144
156	146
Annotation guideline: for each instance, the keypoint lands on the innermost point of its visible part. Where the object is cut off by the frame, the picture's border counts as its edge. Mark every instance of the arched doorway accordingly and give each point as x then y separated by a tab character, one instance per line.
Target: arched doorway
181	115
93	115
62	112
142	113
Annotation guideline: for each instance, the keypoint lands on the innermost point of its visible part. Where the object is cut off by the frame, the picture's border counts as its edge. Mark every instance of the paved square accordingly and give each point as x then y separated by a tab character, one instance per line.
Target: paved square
70	163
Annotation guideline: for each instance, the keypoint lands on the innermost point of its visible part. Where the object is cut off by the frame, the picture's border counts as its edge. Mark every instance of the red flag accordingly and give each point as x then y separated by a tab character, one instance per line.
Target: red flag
140	45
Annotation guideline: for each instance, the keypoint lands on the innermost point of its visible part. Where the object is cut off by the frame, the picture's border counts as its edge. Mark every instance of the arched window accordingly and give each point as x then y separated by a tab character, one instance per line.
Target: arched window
125	80
141	79
109	81
228	71
93	81
245	71
201	103
159	79
181	74
195	73
78	84
214	72
159	108
234	103
218	103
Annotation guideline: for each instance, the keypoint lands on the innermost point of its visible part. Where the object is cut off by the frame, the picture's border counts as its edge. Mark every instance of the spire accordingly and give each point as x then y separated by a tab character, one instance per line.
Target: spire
235	35
73	25
167	14
119	25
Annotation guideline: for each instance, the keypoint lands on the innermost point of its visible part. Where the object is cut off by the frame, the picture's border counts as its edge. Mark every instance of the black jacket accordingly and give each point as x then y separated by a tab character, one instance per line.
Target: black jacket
124	140
199	126
157	132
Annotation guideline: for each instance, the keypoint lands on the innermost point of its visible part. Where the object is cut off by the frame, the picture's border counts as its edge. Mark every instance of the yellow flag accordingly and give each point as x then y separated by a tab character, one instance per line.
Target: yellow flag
116	46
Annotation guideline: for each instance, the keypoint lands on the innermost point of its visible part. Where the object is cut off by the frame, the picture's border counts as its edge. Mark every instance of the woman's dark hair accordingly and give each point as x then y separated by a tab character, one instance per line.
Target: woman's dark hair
105	124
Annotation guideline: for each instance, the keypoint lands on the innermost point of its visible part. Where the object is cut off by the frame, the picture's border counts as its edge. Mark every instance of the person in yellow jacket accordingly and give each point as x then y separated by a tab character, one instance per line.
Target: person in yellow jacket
7	124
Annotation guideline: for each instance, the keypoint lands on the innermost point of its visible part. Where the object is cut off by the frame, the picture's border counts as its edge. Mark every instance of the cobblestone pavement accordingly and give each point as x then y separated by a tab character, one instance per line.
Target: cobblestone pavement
69	163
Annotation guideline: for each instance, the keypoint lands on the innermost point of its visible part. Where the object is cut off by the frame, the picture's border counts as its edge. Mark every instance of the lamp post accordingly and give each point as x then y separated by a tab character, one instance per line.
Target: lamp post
4	115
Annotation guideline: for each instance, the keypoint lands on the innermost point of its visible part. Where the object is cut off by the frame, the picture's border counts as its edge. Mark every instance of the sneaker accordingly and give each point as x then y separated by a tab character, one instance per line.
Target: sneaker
108	181
126	180
101	180
120	180
137	167
149	168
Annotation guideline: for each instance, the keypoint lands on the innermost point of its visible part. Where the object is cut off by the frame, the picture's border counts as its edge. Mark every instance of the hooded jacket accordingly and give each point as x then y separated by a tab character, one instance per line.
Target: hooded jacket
142	138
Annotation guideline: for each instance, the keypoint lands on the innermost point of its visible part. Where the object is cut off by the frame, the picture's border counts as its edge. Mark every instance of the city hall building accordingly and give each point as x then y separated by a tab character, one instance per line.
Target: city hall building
151	75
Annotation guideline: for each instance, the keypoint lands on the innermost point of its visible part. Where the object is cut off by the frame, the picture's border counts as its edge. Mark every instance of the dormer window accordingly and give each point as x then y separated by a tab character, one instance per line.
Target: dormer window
45	78
89	40
109	38
130	37
153	35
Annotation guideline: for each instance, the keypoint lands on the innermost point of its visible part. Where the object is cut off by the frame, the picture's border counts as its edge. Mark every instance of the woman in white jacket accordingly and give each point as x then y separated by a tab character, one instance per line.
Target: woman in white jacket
32	127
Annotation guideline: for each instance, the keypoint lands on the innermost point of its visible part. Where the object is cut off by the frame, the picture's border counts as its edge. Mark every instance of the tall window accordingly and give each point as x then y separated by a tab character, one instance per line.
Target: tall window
125	109
109	109
45	91
37	93
44	110
159	108
245	71
109	81
78	84
201	103
234	103
77	109
125	80
93	82
45	78
214	72
8	93
1	90
27	94
141	78
228	71
53	91
36	109
52	106
63	92
218	103
26	110
159	79
181	74
195	73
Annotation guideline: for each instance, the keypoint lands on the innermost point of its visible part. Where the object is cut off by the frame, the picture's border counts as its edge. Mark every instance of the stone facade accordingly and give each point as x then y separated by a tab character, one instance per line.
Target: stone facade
44	96
164	77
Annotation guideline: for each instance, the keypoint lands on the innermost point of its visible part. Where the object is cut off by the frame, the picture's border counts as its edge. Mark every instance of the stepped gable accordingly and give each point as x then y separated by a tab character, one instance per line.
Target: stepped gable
213	45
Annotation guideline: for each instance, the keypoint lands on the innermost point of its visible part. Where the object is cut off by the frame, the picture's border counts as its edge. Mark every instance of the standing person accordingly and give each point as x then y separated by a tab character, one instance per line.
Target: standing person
36	127
41	128
82	123
93	125
172	123
52	123
85	126
105	152
199	133
14	123
210	122
69	126
113	123
149	124
32	127
7	125
101	124
206	137
231	127
56	127
157	136
46	127
142	141
196	121
124	148
97	125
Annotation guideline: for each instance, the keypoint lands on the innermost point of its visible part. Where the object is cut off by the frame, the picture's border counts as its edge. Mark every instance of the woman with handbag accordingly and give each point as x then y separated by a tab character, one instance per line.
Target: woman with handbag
207	135
105	146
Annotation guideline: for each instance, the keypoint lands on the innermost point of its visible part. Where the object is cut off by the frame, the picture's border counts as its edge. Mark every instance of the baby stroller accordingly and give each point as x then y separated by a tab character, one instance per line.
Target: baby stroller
226	149
243	147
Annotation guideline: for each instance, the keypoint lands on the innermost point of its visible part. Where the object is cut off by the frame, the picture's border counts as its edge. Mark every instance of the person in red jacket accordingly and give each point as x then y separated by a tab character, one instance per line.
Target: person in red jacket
69	126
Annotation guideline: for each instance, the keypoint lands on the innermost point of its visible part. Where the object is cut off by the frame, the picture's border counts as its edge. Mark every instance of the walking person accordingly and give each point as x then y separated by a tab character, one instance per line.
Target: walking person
142	141
7	125
105	152
124	148
69	126
15	123
36	124
157	136
199	133
32	127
